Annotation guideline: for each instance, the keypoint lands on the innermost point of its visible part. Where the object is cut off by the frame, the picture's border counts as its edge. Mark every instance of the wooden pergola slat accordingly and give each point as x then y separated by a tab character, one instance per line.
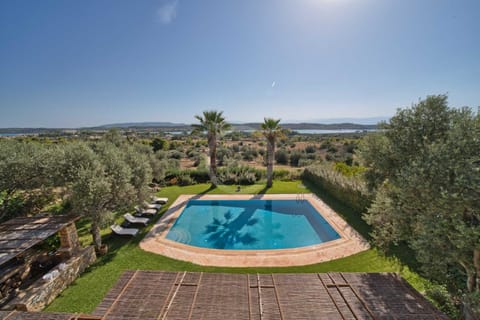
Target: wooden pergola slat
190	295
20	234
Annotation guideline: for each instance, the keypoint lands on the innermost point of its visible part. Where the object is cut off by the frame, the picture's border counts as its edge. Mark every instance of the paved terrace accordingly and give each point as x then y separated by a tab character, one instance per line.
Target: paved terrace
186	295
351	242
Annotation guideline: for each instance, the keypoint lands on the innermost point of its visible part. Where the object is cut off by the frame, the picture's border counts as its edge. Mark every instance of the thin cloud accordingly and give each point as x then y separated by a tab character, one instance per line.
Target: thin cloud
167	12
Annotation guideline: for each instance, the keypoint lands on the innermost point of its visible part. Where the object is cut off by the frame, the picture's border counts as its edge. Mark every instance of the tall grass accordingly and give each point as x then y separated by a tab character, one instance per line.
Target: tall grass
350	190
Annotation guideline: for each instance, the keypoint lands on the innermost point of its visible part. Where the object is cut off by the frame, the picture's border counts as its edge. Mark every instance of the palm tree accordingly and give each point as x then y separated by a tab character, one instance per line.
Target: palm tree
214	124
271	130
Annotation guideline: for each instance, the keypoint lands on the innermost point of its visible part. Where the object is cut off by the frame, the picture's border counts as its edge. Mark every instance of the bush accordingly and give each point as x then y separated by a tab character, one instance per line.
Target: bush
243	175
193	154
281	156
295	158
285	175
159	144
197	161
325	145
349	147
174	154
223	153
440	297
310	149
304	162
249	154
185	180
187	177
200	175
347	170
332	149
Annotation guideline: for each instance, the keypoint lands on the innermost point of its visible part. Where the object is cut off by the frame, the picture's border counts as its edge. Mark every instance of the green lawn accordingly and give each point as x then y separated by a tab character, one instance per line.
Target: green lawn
124	254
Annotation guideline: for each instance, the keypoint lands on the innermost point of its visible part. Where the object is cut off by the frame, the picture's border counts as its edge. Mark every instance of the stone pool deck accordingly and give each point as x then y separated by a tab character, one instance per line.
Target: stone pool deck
350	241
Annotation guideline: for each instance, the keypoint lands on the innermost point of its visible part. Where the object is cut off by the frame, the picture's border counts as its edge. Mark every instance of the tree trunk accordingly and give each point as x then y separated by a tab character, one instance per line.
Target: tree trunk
212	147
270	156
97	237
476	264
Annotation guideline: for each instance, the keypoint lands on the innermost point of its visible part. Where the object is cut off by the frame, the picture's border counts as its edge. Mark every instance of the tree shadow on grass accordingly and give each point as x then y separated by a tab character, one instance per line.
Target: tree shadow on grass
210	189
400	252
264	190
405	255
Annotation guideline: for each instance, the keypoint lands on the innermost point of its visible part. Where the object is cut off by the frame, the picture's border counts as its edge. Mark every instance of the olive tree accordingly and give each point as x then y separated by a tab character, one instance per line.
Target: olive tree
26	176
106	178
425	167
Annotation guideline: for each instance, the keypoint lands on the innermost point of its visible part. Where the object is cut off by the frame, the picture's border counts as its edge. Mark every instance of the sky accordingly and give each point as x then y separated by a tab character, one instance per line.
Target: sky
93	62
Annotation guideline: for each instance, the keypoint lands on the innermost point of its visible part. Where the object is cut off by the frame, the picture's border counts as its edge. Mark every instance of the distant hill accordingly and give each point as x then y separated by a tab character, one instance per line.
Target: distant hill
143	125
316	126
242	126
368	120
170	126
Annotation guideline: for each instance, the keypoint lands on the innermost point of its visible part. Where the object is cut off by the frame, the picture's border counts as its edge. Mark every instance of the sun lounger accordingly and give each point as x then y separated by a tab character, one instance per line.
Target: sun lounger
135	220
141	211
151	205
159	200
123	231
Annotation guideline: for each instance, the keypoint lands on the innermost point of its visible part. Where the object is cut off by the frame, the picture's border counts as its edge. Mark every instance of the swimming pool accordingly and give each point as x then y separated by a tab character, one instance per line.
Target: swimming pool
251	225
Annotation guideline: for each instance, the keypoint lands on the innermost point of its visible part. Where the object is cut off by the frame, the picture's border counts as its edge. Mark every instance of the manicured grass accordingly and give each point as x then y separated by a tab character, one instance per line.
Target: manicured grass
124	254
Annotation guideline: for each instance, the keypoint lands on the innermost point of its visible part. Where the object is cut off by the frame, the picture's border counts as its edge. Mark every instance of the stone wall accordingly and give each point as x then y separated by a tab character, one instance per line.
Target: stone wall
69	243
42	292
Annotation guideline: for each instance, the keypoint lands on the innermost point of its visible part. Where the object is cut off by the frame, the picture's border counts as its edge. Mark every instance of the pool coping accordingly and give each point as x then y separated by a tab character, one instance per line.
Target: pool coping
350	241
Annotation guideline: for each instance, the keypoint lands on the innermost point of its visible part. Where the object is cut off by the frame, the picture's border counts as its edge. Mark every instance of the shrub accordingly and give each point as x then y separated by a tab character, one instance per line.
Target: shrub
198	161
325	145
332	149
281	156
249	154
200	175
349	147
193	154
240	175
174	154
159	144
440	296
311	156
295	158
223	153
304	162
185	180
187	177
310	149
285	175
347	170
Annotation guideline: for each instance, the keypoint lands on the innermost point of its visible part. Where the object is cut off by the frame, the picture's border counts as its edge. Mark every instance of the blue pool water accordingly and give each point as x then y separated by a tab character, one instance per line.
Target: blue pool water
251	225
